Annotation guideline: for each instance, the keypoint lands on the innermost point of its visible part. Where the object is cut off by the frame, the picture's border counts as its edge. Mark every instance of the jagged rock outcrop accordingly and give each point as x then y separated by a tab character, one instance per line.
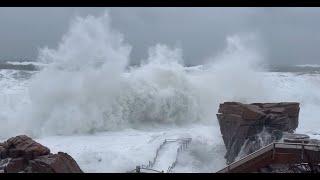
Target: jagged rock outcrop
242	125
22	154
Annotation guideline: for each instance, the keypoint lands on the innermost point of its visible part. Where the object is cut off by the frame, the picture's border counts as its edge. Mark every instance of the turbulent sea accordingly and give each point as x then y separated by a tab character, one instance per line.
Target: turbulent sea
84	99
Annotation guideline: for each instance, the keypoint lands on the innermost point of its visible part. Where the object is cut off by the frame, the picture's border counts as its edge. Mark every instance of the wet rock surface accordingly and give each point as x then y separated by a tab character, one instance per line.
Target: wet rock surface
22	154
247	127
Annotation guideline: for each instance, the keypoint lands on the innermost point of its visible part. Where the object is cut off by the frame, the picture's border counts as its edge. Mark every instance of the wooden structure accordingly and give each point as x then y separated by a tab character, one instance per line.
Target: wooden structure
274	154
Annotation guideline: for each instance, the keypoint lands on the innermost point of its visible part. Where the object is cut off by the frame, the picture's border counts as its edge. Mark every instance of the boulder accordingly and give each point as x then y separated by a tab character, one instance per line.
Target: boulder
243	124
54	163
23	146
22	154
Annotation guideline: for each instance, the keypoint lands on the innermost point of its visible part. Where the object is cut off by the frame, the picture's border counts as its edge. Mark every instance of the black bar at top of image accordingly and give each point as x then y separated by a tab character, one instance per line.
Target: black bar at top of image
159	3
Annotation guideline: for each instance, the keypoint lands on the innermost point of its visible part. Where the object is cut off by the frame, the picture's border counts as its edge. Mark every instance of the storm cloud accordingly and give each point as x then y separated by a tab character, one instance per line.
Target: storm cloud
288	35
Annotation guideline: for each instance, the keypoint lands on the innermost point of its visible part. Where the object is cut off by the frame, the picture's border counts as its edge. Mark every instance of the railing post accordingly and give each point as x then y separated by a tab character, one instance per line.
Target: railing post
302	150
274	151
138	169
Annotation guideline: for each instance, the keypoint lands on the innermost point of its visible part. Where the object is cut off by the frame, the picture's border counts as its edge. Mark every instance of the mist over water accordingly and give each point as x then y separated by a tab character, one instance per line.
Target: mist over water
86	86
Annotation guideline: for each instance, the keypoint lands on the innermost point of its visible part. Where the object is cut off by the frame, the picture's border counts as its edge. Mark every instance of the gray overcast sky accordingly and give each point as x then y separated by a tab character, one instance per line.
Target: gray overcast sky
290	35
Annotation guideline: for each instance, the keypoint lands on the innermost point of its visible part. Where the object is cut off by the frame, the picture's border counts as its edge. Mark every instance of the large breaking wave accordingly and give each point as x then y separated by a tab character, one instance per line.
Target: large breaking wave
87	87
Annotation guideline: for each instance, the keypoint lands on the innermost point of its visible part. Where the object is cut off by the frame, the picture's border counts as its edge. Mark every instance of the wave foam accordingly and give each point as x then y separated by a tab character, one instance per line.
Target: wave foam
87	88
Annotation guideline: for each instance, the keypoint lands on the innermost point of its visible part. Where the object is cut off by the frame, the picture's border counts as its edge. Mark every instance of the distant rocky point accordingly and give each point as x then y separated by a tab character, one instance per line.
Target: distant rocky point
21	154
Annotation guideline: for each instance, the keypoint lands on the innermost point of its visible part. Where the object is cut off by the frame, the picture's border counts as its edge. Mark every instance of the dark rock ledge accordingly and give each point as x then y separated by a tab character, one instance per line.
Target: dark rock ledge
21	154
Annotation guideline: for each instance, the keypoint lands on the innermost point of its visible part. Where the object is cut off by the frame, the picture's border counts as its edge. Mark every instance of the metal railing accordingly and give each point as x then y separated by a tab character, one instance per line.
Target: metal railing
138	170
273	146
183	146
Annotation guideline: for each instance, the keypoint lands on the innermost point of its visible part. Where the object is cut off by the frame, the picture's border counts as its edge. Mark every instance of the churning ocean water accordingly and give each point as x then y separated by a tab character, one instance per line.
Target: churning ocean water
85	99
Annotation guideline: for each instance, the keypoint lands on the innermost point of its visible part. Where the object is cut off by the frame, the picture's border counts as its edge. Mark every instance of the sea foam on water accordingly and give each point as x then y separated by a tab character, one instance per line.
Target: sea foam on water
87	88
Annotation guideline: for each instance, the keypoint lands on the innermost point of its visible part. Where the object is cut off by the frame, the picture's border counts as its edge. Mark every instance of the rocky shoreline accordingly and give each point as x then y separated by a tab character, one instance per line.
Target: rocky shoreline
21	154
